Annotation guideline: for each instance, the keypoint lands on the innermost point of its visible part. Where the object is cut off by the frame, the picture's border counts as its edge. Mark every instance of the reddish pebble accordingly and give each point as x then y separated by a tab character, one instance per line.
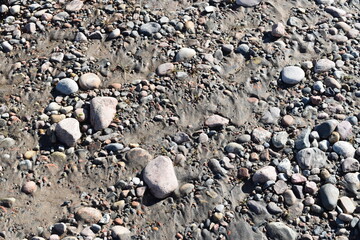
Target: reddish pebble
243	173
288	120
29	187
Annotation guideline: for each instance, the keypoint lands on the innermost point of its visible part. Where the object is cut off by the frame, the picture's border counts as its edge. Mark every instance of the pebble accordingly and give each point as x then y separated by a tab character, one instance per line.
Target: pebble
309	158
150	28
88	215
68	131
329	195
67	86
6	46
185	54
89	81
120	233
289	197
216	121
279	139
260	135
344	149
248	3
160	177
279	231
102	111
278	30
165	69
350	165
186	189
344	128
29	187
292	75
74	6
324	65
303	140
265	174
347	205
326	128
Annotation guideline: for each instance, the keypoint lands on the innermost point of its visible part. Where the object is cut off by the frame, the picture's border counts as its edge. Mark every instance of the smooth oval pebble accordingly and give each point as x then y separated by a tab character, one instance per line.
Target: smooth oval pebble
89	81
29	187
292	75
248	3
88	214
67	86
185	54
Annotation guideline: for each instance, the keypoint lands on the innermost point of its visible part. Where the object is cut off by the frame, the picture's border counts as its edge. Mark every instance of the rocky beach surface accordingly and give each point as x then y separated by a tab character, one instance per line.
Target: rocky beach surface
179	119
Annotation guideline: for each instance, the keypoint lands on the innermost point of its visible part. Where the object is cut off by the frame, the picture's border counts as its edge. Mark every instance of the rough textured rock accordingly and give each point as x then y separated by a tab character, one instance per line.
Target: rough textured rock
160	176
102	111
215	121
68	131
309	158
120	233
265	174
138	157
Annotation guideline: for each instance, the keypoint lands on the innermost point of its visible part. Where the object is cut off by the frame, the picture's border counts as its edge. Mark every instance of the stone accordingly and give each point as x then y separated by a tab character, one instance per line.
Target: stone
311	187
234	147
278	30
120	233
150	28
165	69
273	208
113	34
59	228
344	149
185	54
265	174
186	189
271	116
350	165
7	143
29	187
344	128
57	57
257	207
159	175
81	37
30	28
279	139
260	135
68	131
292	75
303	140
280	231
216	168
248	3
74	6
6	46
324	65
89	81
67	86
326	128
102	112
288	121
114	147
329	195
138	157
88	215
216	121
347	205
289	197
309	158
332	82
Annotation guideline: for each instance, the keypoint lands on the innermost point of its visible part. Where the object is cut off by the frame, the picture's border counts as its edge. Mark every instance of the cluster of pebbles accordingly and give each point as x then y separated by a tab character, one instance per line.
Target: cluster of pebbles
180	119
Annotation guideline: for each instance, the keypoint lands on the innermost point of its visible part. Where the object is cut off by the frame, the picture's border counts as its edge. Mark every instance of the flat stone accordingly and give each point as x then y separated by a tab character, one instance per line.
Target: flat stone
344	128
278	30
326	128
185	54
265	174
160	176
280	231
216	168
67	86
273	208
89	81
289	197
68	131
74	6
7	143
114	147
248	3
280	187
329	195
6	46
216	121
324	65
309	158
257	207
344	149
347	205
303	140
292	75
120	233
271	116
102	111
150	28
165	69
88	215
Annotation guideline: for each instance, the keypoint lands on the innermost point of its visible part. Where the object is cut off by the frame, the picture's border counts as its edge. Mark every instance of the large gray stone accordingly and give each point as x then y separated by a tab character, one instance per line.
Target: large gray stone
159	175
292	75
248	3
324	65
150	28
344	149
67	86
309	158
185	54
89	81
68	131
102	111
280	231
329	195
